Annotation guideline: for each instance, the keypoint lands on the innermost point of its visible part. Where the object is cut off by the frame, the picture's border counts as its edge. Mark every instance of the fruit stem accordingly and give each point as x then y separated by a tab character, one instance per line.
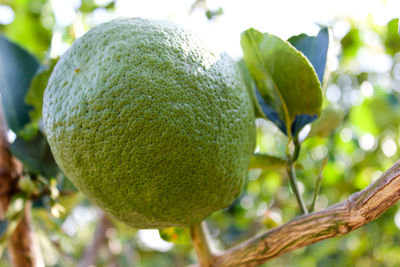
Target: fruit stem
292	157
202	243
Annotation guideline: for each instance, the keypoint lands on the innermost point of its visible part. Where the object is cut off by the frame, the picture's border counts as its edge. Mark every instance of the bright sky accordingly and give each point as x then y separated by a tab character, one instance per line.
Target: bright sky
283	18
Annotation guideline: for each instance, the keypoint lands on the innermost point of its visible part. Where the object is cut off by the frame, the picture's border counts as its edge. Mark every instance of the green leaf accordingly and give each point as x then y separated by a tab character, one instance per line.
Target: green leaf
392	38
315	48
176	235
331	118
36	155
267	162
17	68
34	97
215	13
250	88
284	77
261	109
28	186
29	131
351	43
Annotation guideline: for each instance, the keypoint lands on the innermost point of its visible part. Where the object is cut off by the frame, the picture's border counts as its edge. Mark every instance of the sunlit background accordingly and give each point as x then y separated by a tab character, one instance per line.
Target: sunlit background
364	61
222	24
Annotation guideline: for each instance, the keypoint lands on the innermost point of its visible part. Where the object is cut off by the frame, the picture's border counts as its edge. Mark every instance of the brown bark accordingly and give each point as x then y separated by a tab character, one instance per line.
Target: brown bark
337	220
23	247
10	169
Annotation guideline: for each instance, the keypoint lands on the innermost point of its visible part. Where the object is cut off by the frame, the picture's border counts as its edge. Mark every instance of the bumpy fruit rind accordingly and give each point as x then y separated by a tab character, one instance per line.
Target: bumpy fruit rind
149	123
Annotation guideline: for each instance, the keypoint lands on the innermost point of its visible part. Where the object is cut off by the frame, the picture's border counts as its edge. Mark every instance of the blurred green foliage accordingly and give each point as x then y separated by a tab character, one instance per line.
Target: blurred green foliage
359	144
32	25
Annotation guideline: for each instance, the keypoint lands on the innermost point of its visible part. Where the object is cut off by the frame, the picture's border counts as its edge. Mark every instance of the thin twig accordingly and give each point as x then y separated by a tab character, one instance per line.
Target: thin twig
318	185
295	187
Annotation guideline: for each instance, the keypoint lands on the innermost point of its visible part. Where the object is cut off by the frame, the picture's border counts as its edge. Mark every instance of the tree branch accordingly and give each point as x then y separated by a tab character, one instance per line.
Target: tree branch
10	168
23	246
318	185
337	220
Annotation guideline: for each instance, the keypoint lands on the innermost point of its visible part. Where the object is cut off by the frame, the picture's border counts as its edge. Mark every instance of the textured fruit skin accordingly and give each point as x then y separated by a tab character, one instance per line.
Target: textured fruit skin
149	123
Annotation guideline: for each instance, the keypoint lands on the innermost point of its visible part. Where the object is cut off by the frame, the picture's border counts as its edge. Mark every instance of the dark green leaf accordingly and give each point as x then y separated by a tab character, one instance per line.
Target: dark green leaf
213	14
36	155
284	77
301	121
315	48
270	113
17	68
110	5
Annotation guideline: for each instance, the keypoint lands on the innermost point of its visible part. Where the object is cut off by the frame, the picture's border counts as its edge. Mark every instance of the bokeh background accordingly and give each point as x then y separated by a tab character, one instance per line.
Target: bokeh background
364	61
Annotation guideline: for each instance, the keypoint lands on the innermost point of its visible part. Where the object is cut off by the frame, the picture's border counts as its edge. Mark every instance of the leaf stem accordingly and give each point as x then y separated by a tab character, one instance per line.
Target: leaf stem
202	243
297	147
292	157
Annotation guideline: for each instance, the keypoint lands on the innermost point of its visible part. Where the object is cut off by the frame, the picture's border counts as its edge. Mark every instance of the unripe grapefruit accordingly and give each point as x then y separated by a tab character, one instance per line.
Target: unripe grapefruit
149	123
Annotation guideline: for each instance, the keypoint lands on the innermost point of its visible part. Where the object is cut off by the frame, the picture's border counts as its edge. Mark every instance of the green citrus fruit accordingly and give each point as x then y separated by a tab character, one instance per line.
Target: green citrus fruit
149	123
